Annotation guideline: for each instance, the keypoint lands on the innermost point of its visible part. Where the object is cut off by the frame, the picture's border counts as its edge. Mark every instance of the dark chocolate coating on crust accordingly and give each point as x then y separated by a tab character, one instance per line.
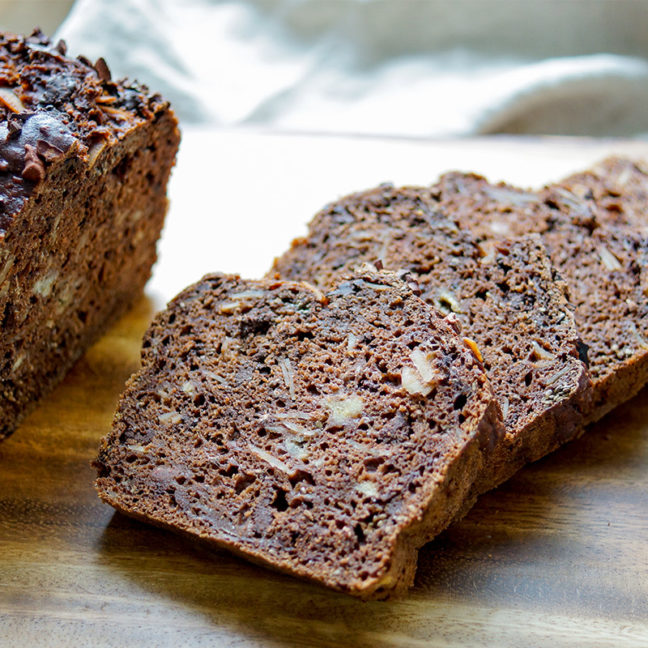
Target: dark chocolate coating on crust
325	436
51	103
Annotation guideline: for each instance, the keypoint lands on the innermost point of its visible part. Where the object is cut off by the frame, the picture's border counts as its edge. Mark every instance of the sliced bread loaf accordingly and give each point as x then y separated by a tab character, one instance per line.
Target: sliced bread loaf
326	436
598	251
84	163
505	296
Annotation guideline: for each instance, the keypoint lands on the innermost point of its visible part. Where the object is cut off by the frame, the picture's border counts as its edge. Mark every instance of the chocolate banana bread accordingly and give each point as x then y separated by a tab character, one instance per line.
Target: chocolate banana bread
326	436
505	295
84	163
599	248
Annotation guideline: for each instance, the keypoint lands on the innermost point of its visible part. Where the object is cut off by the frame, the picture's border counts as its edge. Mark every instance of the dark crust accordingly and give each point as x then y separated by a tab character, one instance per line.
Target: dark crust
83	222
505	296
50	104
594	225
279	423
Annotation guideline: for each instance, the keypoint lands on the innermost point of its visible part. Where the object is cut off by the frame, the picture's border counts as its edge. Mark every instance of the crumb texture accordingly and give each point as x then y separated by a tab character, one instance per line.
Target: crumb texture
328	436
503	293
594	226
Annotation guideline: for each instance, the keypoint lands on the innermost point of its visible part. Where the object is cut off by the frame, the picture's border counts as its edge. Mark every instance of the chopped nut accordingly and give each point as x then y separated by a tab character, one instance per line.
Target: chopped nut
422	379
294	414
540	353
299	429
424	363
136	448
486	251
11	100
20	358
34	170
275	462
295	449
247	294
188	387
504	406
376	287
447	302
95	151
367	488
103	71
5	271
216	377
230	307
170	418
43	287
240	302
608	259
288	376
412	382
352	341
321	297
229	346
557	376
343	408
472	345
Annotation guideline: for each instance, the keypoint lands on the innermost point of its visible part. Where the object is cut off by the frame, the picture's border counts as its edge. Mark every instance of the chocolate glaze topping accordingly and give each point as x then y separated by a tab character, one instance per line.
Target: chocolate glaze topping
50	106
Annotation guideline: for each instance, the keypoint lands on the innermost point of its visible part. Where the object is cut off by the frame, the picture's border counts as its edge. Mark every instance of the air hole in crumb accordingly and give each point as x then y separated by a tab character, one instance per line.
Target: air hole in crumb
373	464
280	503
357	529
528	378
181	479
460	402
299	476
243	482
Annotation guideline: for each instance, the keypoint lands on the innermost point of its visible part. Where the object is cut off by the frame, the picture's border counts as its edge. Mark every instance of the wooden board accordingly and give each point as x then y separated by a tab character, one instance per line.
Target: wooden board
556	557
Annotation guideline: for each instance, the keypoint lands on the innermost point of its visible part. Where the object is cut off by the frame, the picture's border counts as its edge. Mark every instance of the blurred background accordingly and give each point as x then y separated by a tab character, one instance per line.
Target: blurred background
401	68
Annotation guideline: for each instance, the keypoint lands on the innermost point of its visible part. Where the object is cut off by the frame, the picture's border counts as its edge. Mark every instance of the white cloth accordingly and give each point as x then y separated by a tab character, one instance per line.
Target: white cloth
382	67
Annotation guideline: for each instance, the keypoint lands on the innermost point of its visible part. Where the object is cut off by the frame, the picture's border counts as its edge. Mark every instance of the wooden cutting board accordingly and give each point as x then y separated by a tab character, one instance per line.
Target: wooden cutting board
556	557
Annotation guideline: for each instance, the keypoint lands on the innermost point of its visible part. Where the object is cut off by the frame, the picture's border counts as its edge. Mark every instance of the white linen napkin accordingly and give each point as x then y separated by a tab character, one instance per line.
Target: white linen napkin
382	67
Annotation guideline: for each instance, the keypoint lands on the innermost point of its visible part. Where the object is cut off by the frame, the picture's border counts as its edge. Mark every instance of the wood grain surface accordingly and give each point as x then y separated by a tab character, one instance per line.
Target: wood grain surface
558	556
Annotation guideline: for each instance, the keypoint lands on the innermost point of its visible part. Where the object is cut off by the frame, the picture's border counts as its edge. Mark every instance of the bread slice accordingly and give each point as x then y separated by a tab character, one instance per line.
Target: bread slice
616	189
84	163
505	296
326	436
596	242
